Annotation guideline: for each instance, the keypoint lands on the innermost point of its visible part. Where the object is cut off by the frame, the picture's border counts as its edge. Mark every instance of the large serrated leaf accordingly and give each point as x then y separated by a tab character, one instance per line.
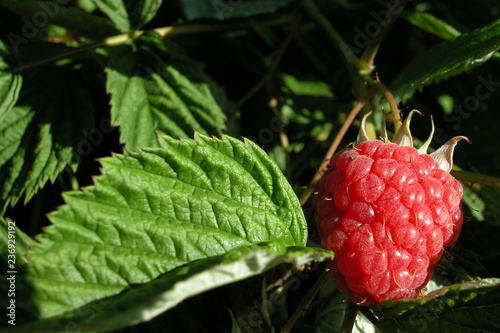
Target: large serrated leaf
446	59
144	302
471	306
223	9
155	87
75	19
129	15
158	209
40	135
10	82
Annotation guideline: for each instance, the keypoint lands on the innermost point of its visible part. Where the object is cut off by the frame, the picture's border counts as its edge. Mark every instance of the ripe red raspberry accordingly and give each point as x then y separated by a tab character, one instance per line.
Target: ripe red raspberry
387	210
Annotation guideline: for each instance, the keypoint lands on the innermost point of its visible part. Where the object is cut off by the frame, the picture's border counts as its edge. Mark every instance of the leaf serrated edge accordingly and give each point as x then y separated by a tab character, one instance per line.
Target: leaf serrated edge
389	308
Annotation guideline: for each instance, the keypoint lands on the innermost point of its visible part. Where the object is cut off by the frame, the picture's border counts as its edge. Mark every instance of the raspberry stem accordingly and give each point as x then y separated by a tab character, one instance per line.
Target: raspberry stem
369	315
336	142
306	301
351	311
371	50
379	85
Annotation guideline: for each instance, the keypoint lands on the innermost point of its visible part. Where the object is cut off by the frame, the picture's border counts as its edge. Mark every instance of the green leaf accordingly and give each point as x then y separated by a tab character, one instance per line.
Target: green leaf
73	18
144	302
157	209
447	59
131	14
11	235
306	108
116	11
40	135
331	311
471	306
223	9
491	196
432	24
474	202
10	83
155	87
298	87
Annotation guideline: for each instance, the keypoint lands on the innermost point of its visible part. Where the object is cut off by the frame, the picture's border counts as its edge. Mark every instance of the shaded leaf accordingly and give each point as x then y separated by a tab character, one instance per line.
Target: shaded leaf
306	108
227	9
10	82
471	306
129	15
432	24
144	302
11	234
491	197
446	59
155	87
39	137
72	18
474	202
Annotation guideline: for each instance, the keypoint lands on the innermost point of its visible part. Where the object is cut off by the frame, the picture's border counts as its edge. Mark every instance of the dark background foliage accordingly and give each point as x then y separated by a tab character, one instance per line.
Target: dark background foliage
281	80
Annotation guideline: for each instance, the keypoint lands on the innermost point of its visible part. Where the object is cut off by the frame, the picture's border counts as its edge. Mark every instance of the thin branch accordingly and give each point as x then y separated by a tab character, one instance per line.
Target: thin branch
280	52
304	304
368	315
342	49
314	60
371	50
333	147
248	95
393	104
164	32
41	62
354	66
351	311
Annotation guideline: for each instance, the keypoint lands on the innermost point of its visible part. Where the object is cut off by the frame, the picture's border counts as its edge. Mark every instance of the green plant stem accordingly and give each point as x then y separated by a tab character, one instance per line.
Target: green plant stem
272	68
313	59
351	62
371	50
368	315
164	32
393	104
336	142
41	62
476	178
332	33
351	311
304	304
354	66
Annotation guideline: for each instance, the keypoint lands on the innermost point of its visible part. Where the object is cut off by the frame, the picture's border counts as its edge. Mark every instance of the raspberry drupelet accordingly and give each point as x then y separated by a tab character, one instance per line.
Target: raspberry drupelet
387	211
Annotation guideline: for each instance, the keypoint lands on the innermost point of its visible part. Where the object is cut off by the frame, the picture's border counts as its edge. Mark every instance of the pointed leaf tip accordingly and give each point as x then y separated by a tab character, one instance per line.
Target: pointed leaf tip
403	135
444	155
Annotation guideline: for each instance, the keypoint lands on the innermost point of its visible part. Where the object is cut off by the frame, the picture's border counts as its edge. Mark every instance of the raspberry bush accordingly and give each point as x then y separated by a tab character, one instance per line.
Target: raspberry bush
193	166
